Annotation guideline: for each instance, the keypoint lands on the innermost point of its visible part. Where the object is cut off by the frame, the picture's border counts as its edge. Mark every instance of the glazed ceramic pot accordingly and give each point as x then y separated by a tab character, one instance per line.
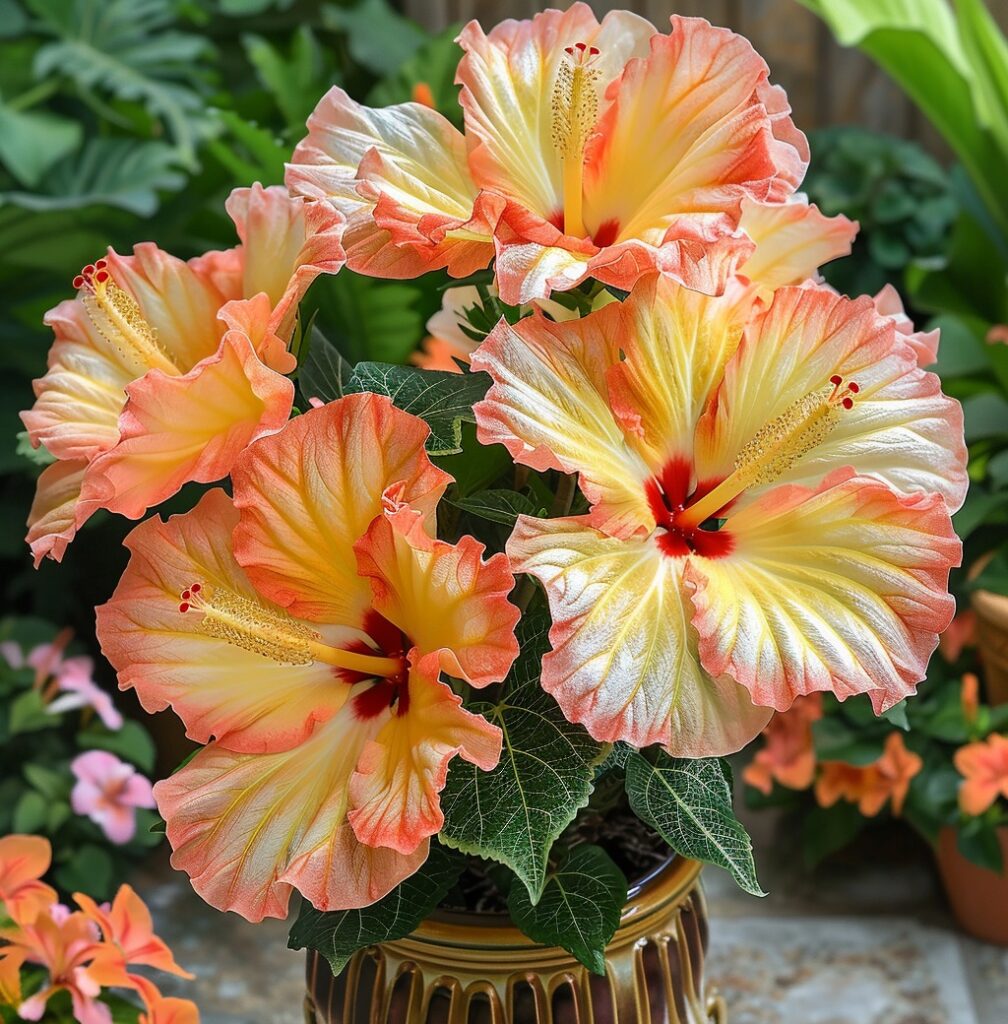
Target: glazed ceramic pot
979	897
478	969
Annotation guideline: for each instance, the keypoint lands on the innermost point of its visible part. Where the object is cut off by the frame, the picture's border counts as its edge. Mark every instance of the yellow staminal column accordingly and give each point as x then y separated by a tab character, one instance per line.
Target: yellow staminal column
775	448
117	317
575	111
272	633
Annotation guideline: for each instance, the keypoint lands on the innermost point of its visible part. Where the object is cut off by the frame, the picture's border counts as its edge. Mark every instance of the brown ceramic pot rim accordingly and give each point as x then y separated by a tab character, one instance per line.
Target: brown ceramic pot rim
669	882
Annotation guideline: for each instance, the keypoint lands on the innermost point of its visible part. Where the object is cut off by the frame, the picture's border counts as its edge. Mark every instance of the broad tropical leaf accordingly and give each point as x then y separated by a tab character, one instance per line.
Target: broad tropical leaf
499	506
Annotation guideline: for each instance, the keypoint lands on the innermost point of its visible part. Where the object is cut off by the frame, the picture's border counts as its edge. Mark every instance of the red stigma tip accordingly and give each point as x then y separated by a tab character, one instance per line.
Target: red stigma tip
593	51
101	264
183	607
836	380
581	46
102	276
569	49
78	281
186	595
88	270
196	588
853	388
848	403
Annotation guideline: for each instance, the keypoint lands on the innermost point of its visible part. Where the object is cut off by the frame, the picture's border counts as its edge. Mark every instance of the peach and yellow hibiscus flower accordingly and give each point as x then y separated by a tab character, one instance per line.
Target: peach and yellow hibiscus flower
984	768
770	491
163	371
871	786
603	150
301	630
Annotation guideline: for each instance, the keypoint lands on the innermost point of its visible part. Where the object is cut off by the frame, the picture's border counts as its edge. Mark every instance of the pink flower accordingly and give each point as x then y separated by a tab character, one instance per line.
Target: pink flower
108	791
79	690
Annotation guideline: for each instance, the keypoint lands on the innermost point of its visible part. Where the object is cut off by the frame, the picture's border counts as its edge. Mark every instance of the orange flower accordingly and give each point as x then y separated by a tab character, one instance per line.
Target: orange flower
970	696
23	861
606	150
872	785
787	755
162	371
308	656
984	768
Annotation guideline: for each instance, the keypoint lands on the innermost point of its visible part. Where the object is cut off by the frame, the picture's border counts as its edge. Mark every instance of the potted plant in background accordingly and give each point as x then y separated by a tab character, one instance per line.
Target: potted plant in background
689	480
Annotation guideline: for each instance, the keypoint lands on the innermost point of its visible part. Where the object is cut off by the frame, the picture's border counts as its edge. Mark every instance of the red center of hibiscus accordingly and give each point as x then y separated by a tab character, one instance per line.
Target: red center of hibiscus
668	495
390	691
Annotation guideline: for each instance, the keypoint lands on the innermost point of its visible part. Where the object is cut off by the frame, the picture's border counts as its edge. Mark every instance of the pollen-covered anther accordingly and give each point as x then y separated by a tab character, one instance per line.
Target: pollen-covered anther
575	112
249	624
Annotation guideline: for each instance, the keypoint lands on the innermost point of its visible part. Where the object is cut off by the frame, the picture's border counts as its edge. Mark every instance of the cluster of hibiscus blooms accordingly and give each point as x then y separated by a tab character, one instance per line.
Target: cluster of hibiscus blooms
81	951
769	473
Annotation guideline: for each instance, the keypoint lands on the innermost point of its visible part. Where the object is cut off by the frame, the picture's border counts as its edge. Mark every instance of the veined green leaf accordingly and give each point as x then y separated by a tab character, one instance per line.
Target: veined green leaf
688	802
515	812
499	506
324	373
337	935
580	906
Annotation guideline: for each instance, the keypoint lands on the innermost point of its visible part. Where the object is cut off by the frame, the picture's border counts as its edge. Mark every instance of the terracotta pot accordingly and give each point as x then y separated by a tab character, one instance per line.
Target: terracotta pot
979	897
991	612
479	969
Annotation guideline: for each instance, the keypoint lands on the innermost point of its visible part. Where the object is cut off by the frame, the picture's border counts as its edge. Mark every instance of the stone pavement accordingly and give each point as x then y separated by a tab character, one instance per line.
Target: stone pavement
869	942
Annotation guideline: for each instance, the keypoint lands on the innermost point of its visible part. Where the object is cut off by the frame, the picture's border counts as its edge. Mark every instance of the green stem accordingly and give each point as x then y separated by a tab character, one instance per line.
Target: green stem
31	97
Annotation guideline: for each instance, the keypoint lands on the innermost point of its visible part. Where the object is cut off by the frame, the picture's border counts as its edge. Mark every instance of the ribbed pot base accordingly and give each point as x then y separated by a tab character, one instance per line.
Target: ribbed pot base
478	969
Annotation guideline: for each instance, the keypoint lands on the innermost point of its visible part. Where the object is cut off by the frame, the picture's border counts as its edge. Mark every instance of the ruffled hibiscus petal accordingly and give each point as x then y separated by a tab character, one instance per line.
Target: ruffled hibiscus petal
924	343
248	829
624	661
901	428
394	792
548	407
507	80
687	136
254	318
193	427
793	240
307	494
841	588
286	243
411	574
246	701
178	303
78	401
416	172
58	510
675	344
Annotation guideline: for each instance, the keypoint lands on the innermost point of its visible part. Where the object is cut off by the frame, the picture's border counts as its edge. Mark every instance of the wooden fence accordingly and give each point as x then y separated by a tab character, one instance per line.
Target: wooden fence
826	84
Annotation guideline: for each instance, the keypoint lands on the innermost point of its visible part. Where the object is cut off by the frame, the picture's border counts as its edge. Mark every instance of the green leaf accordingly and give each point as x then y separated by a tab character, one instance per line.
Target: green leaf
249	152
295	80
897	715
828	829
324	373
32	141
367	318
986	415
442	399
132	743
30	813
131	50
580	906
499	506
839	740
377	36
51	784
994	576
106	172
339	934
515	812
90	870
28	714
978	842
434	65
689	804
919	46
